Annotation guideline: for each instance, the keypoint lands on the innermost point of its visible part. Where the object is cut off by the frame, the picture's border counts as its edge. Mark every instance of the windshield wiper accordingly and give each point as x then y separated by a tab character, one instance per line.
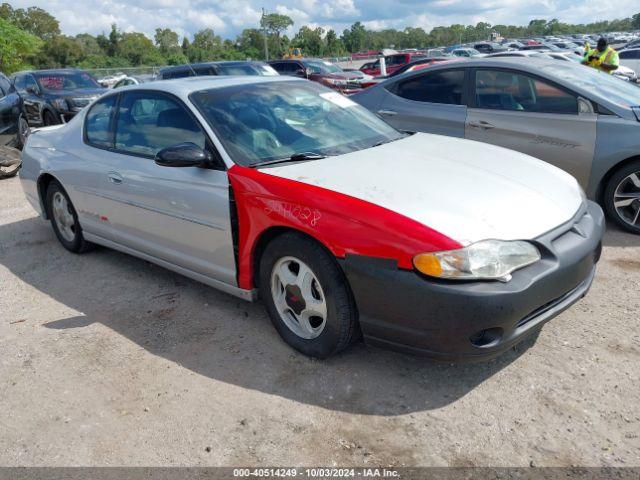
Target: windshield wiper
296	157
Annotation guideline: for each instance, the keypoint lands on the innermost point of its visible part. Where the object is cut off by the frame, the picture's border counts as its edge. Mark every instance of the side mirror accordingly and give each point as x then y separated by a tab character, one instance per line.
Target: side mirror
183	155
301	73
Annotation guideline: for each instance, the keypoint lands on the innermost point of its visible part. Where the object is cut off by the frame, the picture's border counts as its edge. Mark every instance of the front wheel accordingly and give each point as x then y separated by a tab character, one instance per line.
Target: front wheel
64	220
622	197
307	296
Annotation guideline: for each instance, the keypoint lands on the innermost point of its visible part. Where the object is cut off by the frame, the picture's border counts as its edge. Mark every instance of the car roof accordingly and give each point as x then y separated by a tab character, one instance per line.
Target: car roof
182	87
189	66
52	71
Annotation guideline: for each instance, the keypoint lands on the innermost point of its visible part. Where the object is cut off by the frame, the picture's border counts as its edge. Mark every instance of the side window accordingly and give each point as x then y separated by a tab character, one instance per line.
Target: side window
29	81
149	122
19	83
98	122
501	90
443	86
629	54
200	71
5	86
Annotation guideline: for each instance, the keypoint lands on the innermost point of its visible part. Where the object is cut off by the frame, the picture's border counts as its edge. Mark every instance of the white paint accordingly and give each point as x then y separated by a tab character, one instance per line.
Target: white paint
466	190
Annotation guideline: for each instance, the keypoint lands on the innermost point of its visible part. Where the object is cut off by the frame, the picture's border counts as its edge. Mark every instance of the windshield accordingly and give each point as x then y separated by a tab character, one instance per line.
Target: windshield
66	81
604	85
263	122
320	66
245	69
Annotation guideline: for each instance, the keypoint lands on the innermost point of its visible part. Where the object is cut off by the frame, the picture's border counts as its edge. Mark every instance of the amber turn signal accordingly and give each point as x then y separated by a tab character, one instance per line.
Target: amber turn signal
428	264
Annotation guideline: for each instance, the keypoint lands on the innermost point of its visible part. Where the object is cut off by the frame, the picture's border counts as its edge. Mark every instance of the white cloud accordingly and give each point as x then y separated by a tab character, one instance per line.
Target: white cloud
229	17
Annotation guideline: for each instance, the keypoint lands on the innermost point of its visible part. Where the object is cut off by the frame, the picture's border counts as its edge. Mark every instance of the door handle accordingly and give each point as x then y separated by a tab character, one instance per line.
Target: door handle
389	113
115	177
482	124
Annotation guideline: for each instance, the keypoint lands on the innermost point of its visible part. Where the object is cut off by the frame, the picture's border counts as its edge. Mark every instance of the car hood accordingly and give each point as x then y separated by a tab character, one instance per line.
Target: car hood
467	190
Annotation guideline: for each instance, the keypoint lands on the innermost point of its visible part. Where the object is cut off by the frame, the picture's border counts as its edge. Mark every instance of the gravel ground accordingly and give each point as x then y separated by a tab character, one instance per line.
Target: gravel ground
109	360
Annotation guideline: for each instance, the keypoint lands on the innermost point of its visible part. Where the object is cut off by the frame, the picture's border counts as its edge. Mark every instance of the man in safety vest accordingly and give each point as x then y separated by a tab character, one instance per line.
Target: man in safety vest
602	58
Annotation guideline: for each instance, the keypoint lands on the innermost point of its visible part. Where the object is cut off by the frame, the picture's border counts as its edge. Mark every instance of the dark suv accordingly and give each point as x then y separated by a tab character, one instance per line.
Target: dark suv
13	128
55	96
13	125
320	71
216	68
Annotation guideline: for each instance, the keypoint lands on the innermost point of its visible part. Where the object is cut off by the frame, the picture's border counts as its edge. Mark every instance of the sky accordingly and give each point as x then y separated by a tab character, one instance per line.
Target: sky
230	17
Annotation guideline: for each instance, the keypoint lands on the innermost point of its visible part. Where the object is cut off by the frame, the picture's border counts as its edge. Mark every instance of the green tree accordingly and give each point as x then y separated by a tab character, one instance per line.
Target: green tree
635	21
310	41
137	49
275	24
205	46
354	37
16	47
33	20
334	46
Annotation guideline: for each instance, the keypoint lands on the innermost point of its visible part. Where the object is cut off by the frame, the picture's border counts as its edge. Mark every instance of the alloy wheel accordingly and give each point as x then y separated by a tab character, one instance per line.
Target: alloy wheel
63	217
298	297
626	199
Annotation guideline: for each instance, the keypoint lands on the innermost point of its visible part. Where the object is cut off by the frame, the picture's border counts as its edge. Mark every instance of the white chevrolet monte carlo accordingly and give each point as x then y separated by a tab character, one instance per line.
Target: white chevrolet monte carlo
344	226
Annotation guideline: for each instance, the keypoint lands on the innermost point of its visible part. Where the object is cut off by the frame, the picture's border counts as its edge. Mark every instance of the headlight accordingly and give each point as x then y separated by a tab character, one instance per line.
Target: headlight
60	104
484	260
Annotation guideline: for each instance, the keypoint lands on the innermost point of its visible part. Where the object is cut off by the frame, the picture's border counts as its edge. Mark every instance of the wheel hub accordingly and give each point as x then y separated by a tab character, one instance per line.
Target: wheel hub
294	299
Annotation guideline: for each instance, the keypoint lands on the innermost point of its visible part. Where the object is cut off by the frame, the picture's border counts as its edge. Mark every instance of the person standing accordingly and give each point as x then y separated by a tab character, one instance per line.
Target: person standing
603	57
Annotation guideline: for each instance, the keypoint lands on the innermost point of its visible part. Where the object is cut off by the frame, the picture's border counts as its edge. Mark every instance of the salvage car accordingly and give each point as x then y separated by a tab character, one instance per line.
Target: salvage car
581	120
392	63
55	96
342	224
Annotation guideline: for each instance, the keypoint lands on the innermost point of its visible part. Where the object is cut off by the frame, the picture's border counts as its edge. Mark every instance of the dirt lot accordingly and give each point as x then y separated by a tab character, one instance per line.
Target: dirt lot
109	360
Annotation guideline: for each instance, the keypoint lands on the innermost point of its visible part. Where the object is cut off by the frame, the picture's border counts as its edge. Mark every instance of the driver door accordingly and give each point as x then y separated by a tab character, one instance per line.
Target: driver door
178	215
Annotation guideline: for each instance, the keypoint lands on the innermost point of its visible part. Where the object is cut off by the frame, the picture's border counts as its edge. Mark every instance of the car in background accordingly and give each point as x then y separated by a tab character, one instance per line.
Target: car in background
466	52
514	44
490	47
321	71
13	128
631	44
133	80
630	58
13	124
392	63
216	68
410	67
582	120
284	189
55	96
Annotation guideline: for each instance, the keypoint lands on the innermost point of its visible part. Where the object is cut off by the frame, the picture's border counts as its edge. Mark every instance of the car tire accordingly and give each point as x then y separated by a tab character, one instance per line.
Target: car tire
299	278
64	220
10	170
622	197
48	118
23	132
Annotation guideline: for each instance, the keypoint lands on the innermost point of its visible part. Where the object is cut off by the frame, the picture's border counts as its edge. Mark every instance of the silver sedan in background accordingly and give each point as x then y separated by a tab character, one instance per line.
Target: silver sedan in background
581	120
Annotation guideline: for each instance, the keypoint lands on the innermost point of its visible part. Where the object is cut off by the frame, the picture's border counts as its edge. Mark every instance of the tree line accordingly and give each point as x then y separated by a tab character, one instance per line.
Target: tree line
32	38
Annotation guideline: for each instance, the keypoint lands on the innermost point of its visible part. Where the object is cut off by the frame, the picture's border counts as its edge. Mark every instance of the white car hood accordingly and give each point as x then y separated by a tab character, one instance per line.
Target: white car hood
466	190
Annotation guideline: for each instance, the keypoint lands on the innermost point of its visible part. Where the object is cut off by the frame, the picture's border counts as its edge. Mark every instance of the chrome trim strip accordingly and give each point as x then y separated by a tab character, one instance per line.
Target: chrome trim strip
151	209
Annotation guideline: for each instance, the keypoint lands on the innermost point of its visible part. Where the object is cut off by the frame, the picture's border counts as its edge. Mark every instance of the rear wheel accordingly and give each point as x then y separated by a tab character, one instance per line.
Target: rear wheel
64	220
622	197
307	296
